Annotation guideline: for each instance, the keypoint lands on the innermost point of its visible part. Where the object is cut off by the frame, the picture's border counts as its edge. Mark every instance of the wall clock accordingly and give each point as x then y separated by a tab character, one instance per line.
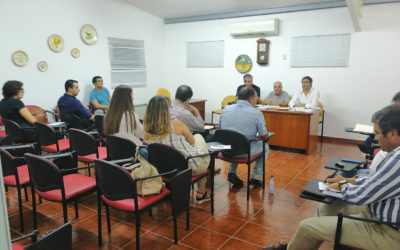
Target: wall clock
56	43
262	51
89	34
20	58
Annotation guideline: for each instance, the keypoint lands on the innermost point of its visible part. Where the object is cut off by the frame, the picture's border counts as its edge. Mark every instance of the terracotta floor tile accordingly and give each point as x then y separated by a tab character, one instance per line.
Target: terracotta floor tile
256	234
152	241
203	238
223	224
166	229
239	244
90	225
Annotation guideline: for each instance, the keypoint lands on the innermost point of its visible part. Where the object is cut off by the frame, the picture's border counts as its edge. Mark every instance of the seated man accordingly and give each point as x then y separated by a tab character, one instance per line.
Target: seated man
307	97
68	104
99	96
374	196
248	82
247	120
277	97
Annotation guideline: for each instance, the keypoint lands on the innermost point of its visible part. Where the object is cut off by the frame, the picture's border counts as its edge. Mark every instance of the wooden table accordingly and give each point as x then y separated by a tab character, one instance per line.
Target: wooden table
200	104
298	130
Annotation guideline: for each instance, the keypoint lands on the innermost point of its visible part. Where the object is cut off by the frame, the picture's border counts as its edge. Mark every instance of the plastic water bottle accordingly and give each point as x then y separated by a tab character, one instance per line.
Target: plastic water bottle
271	186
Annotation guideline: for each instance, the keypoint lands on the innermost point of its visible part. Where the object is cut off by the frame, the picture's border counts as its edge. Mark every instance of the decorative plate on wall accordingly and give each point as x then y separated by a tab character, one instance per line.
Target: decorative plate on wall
75	52
89	34
243	63
42	66
56	43
20	58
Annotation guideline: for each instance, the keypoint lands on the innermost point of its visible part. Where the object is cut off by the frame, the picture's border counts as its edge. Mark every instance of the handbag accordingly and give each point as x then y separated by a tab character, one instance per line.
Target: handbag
144	169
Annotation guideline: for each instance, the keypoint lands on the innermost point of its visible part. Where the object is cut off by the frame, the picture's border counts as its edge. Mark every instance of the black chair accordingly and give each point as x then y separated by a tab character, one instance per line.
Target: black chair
240	146
16	174
124	195
14	130
49	139
72	121
58	183
60	239
165	158
119	148
98	124
338	234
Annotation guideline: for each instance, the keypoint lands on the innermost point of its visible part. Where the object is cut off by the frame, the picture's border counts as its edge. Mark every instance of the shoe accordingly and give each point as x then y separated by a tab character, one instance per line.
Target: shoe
255	183
204	198
280	246
232	178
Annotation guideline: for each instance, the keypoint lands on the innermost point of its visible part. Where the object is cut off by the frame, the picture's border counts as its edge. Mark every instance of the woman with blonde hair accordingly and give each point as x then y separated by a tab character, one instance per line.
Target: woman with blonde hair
161	129
121	119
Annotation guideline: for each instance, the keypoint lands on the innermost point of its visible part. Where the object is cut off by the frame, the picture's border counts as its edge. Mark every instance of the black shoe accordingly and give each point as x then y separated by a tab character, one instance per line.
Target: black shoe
255	183
232	178
280	246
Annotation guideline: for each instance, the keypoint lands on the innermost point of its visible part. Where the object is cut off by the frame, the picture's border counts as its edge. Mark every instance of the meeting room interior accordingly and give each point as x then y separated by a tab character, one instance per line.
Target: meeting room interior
342	54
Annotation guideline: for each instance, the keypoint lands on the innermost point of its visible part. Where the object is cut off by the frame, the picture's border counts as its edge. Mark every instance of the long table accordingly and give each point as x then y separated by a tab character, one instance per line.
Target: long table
297	130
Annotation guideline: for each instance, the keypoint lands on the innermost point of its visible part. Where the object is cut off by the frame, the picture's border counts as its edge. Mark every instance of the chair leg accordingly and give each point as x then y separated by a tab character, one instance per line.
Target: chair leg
175	230
212	192
6	187
248	181
150	212
76	209
100	240
263	170
21	214
187	219
34	208
40	200
108	218
90	173
26	193
65	212
137	222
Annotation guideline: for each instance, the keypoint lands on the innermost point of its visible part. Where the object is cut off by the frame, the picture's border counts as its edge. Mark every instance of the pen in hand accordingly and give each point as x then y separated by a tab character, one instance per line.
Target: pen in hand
332	175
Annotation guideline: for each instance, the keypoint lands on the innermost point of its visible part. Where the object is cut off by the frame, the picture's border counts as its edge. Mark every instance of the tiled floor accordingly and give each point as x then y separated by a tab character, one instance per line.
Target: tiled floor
236	223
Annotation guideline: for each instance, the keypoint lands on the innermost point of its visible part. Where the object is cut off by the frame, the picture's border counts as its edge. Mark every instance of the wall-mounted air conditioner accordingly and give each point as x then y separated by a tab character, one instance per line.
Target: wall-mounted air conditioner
259	28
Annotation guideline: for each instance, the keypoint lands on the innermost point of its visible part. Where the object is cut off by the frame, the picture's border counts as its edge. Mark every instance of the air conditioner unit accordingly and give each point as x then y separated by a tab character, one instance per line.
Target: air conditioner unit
259	28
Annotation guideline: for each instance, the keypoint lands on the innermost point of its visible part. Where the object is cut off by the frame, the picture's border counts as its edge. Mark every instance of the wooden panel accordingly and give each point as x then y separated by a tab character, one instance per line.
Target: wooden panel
200	105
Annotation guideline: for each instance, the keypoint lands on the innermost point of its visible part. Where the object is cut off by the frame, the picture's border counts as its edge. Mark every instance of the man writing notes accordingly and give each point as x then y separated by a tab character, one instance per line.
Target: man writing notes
248	82
277	97
242	117
375	196
307	97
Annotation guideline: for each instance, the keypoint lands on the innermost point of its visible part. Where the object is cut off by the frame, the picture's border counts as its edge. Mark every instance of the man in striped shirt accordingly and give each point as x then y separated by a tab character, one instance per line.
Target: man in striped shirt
375	196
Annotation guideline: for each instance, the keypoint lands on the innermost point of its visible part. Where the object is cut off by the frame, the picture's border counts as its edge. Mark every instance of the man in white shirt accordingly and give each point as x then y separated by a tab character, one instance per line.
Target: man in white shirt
307	97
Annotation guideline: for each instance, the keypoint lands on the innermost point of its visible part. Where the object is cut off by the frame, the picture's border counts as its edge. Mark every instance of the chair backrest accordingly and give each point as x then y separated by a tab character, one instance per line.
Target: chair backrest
44	174
8	165
163	92
38	113
46	134
72	121
166	158
119	148
239	143
228	99
98	124
14	130
60	239
82	142
180	189
113	181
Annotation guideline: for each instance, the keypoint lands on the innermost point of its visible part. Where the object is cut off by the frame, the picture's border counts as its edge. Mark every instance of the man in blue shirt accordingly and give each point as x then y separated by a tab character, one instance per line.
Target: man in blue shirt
99	96
242	117
375	196
68	104
248	82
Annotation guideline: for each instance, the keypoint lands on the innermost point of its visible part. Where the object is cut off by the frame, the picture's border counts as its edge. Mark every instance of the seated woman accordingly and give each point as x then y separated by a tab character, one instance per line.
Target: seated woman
159	128
12	108
121	119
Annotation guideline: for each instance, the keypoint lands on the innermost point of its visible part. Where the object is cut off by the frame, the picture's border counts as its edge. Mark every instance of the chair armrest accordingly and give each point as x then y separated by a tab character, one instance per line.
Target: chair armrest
195	156
55	156
18	146
32	235
123	161
154	176
66	171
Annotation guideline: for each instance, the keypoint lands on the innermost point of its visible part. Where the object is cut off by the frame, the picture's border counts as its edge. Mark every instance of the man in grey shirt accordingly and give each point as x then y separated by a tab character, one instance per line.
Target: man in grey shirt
242	117
277	97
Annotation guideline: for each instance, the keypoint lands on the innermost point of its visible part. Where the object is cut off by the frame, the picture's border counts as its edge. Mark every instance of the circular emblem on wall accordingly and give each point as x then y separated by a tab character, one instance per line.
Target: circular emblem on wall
89	34
20	58
42	66
243	63
56	43
75	52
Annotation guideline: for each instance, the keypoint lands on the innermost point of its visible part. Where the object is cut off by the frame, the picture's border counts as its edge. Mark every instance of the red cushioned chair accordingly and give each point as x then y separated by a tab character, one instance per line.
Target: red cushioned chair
165	158
16	174
48	139
55	184
119	148
2	132
60	239
124	195
86	146
240	151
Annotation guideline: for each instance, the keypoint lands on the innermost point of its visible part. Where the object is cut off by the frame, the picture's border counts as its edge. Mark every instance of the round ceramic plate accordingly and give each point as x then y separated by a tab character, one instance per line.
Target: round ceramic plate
75	52
20	58
56	43
243	63
89	34
42	66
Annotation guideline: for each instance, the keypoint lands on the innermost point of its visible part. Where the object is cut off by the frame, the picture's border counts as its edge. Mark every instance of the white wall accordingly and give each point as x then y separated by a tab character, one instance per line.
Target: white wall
350	94
26	25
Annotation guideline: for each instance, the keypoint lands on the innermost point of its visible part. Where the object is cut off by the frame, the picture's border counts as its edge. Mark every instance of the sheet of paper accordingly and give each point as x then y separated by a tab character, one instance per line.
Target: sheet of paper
322	185
362	128
208	127
332	194
220	147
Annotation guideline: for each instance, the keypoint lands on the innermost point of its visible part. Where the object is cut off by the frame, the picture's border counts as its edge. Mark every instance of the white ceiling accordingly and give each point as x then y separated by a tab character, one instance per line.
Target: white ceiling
187	8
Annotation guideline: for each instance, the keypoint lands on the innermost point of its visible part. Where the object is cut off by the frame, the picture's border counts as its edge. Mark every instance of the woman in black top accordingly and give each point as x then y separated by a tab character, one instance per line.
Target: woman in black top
12	108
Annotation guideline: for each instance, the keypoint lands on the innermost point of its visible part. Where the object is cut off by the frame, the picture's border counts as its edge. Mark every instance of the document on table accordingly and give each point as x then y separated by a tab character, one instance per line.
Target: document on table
220	147
333	193
362	128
